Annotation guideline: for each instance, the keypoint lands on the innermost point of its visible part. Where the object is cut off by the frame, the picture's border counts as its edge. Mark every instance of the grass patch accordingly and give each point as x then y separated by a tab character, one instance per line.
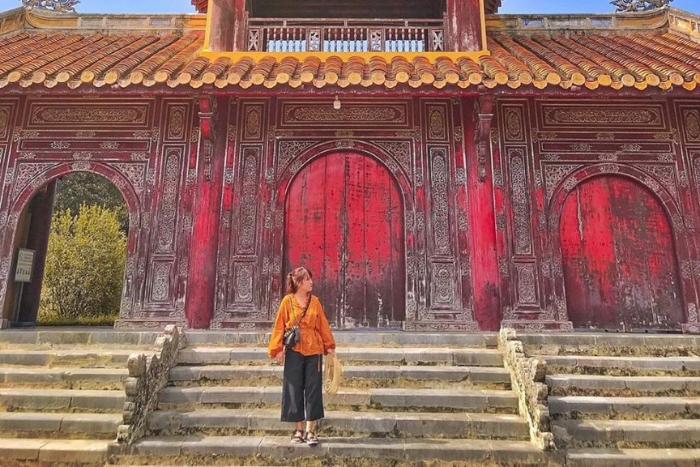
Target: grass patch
47	319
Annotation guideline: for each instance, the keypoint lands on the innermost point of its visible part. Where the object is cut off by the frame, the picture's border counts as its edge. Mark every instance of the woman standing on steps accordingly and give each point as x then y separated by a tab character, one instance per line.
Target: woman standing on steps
302	397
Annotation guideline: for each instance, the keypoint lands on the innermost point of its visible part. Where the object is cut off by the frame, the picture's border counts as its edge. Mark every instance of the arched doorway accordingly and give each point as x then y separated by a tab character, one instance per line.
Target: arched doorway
31	230
619	260
344	221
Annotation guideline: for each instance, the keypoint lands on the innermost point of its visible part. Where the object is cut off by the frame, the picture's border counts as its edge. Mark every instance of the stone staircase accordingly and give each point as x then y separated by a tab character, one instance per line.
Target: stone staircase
62	394
405	398
623	400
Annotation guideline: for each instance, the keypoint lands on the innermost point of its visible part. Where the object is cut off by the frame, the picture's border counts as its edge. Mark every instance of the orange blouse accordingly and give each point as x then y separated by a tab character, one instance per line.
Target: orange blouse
316	336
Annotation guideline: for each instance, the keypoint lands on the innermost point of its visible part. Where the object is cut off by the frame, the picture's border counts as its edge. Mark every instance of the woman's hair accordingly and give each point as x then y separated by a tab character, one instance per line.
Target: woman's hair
296	277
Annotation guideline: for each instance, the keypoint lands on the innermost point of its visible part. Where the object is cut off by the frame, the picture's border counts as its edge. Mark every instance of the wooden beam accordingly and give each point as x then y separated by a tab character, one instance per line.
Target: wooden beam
226	25
464	26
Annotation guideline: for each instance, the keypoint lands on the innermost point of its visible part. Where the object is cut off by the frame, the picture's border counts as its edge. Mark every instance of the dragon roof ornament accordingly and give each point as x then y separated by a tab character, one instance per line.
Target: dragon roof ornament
58	6
626	6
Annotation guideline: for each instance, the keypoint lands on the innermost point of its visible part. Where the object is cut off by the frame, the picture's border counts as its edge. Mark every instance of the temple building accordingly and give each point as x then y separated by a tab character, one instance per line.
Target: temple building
436	165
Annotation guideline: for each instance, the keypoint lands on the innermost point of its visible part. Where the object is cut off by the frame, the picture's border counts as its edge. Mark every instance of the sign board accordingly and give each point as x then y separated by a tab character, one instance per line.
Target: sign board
25	263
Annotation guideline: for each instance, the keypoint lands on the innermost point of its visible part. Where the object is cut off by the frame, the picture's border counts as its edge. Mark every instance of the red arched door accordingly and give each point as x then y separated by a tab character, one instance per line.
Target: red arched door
619	259
344	221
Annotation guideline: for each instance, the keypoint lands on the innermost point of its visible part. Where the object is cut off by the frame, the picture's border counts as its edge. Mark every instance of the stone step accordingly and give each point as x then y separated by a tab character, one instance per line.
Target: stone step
48	451
109	336
592	457
430	355
76	337
418	399
62	424
61	400
379	375
630	433
616	340
66	378
521	453
89	358
624	408
377	424
593	385
626	366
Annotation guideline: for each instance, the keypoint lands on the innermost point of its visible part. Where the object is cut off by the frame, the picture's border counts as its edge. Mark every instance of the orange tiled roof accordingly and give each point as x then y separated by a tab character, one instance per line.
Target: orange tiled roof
635	60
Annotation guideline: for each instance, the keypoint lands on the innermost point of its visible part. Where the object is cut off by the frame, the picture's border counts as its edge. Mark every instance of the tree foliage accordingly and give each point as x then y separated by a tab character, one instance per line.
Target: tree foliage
84	264
80	188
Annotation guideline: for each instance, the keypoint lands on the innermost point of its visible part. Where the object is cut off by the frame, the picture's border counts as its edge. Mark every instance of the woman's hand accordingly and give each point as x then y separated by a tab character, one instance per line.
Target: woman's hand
331	352
279	358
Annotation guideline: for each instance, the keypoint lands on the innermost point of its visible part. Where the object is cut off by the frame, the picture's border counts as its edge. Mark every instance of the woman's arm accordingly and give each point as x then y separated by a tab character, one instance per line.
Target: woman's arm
324	330
275	345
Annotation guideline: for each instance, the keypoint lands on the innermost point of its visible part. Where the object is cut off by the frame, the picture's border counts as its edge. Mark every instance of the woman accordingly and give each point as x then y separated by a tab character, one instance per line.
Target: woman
302	397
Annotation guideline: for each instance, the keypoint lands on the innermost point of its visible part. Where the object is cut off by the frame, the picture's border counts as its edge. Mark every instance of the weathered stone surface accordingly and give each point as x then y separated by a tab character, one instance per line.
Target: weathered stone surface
632	457
78	451
25	449
607	406
469	400
227	446
20	421
608	433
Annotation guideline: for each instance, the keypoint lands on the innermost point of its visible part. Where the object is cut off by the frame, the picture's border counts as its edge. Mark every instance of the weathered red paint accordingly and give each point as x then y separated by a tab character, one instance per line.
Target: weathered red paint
619	258
199	303
345	223
483	230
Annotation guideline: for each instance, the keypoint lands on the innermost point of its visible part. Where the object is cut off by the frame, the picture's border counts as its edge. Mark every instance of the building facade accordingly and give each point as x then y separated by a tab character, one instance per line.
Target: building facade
443	169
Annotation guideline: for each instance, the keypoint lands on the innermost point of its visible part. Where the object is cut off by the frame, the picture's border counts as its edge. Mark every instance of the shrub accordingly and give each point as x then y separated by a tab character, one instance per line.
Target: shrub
84	265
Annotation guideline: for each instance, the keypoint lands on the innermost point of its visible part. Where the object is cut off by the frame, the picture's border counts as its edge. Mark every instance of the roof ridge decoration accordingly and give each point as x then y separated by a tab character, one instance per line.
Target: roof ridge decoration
625	6
58	6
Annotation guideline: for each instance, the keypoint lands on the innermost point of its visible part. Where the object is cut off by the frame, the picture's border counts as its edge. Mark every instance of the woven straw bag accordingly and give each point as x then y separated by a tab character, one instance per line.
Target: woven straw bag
332	374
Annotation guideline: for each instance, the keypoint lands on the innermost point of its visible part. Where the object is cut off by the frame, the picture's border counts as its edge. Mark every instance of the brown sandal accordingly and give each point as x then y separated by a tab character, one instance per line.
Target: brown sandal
311	438
297	436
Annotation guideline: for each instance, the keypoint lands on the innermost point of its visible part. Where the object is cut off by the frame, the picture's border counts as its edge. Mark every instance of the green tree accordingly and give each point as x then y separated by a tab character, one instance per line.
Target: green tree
78	188
84	264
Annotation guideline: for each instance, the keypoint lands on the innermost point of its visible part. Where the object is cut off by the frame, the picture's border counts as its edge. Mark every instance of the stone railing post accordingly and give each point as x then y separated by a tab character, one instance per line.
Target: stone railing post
148	374
527	377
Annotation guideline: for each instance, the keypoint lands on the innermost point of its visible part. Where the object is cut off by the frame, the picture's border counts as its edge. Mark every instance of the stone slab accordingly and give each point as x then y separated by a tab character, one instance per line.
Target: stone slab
623	405
77	451
21	449
632	457
642	384
21	421
657	433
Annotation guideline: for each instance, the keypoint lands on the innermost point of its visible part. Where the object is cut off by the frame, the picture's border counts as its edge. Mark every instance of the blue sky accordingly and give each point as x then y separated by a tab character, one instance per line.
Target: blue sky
509	6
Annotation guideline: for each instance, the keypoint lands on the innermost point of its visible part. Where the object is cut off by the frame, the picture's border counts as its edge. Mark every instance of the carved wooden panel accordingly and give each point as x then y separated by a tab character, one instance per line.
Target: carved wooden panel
177	119
520	202
590	116
243	282
526	290
168	202
112	113
356	114
513	124
247	211
402	151
691	125
160	281
443	281
5	115
253	122
439	182
437	122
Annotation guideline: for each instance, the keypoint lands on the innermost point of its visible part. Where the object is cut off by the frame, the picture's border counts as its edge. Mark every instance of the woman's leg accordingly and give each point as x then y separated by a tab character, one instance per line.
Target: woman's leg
293	388
313	387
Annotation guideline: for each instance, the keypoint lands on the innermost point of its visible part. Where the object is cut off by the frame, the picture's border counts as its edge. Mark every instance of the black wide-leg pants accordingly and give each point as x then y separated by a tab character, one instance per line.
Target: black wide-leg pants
302	395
